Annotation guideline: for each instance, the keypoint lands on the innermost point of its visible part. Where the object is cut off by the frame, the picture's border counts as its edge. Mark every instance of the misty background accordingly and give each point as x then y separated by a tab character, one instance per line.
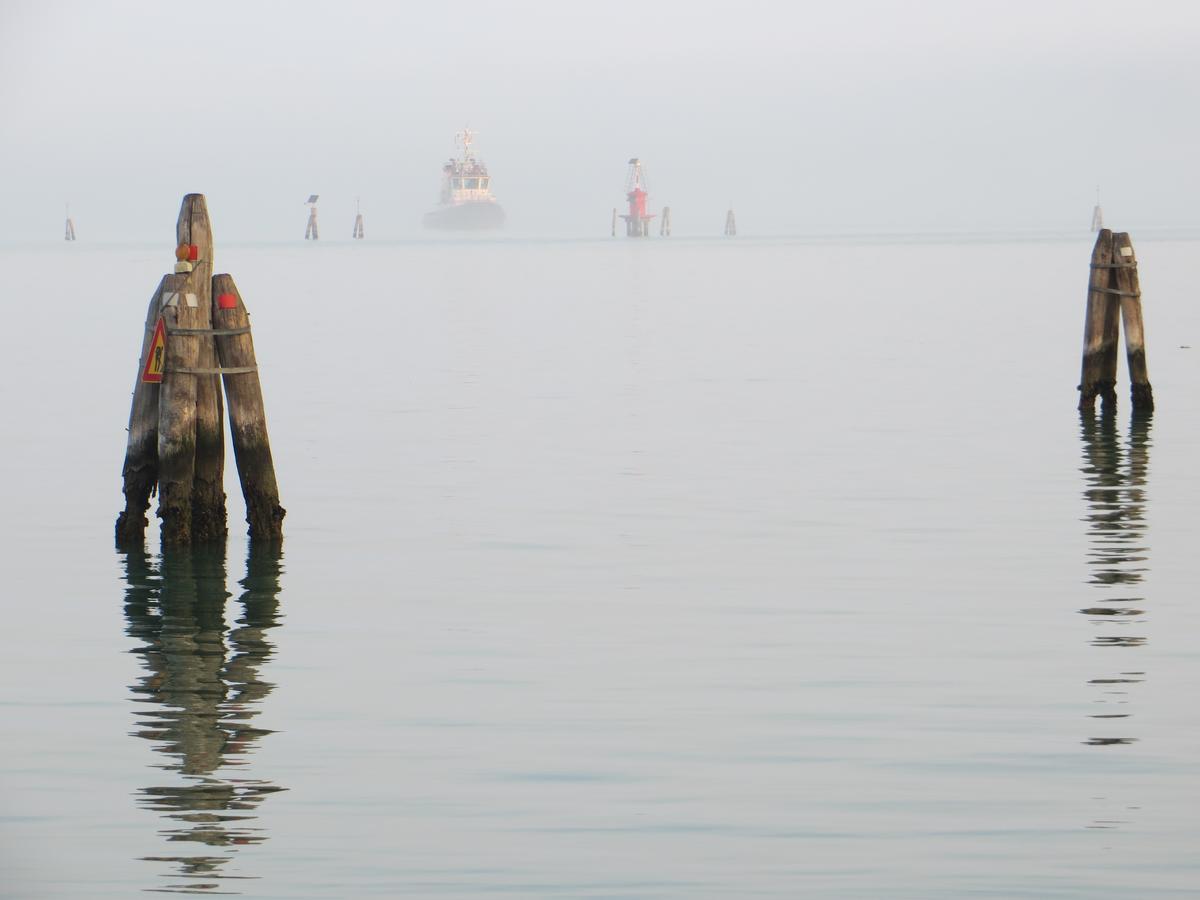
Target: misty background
808	118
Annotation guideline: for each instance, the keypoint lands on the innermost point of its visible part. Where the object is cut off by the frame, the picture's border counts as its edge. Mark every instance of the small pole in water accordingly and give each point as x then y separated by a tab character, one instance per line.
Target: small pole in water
614	222
730	224
664	224
1097	213
310	231
1113	294
69	234
358	220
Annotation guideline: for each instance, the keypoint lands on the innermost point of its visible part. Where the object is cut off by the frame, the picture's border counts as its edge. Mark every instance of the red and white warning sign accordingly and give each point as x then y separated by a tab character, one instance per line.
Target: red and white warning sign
156	357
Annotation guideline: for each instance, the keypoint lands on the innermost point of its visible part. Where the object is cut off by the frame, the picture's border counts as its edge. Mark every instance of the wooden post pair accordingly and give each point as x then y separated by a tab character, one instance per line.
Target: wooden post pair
1114	295
176	439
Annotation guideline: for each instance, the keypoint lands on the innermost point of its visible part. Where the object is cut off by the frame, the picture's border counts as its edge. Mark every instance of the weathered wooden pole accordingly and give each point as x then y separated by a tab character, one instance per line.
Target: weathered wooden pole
247	416
1125	278
1100	329
194	230
140	470
177	410
664	224
730	224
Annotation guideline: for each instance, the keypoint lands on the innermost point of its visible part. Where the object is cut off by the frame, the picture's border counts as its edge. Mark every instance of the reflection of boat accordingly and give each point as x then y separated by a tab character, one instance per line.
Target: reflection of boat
466	203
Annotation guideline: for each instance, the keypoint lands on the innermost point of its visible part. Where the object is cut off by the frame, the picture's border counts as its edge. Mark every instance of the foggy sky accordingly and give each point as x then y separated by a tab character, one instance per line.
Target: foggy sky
807	117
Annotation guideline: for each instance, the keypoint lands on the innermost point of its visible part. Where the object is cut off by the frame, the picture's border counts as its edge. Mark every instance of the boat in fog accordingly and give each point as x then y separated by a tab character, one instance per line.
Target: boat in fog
467	202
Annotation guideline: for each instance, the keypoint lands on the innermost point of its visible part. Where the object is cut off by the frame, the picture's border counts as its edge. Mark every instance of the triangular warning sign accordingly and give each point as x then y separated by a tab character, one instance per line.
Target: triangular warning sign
156	357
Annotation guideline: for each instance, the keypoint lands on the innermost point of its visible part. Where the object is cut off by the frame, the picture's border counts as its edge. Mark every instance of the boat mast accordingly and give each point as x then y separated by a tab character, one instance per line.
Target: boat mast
465	137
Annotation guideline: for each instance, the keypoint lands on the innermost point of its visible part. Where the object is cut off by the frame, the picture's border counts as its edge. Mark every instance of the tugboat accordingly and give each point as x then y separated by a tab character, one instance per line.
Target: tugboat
467	203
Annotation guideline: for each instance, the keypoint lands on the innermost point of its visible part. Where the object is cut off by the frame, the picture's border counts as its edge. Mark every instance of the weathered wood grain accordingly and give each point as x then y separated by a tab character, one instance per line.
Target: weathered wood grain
208	484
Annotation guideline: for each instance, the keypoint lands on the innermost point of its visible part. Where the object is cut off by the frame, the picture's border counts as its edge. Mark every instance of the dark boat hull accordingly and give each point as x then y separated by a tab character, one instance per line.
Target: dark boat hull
466	217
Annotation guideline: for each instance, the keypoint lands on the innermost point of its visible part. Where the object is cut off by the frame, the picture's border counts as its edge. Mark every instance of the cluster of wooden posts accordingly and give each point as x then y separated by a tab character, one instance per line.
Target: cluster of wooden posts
197	337
1114	296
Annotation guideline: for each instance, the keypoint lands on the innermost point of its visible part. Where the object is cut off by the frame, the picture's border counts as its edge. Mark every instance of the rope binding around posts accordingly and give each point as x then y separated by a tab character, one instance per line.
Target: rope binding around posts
232	370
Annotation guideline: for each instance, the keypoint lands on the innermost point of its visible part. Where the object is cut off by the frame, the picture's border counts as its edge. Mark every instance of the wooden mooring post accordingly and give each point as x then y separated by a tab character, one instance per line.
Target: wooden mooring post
177	411
1114	294
194	230
310	230
247	414
140	471
176	439
730	224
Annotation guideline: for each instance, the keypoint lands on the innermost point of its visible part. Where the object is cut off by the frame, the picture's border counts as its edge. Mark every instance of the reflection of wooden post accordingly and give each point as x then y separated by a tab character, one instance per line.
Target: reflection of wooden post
247	416
140	471
208	485
1100	329
1125	278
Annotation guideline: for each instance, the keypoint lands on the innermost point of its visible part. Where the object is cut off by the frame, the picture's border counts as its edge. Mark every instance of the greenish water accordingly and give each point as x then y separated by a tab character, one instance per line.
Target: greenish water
614	569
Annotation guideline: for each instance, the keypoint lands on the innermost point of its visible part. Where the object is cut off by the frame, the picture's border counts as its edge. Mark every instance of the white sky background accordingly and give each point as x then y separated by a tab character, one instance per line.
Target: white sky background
808	117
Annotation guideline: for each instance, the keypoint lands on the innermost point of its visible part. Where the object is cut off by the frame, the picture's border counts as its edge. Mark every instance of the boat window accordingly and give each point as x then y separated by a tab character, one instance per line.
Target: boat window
472	183
456	183
483	183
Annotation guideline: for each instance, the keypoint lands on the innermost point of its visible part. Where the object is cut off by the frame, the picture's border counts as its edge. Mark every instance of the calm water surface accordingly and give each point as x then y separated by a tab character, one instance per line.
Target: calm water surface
663	569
